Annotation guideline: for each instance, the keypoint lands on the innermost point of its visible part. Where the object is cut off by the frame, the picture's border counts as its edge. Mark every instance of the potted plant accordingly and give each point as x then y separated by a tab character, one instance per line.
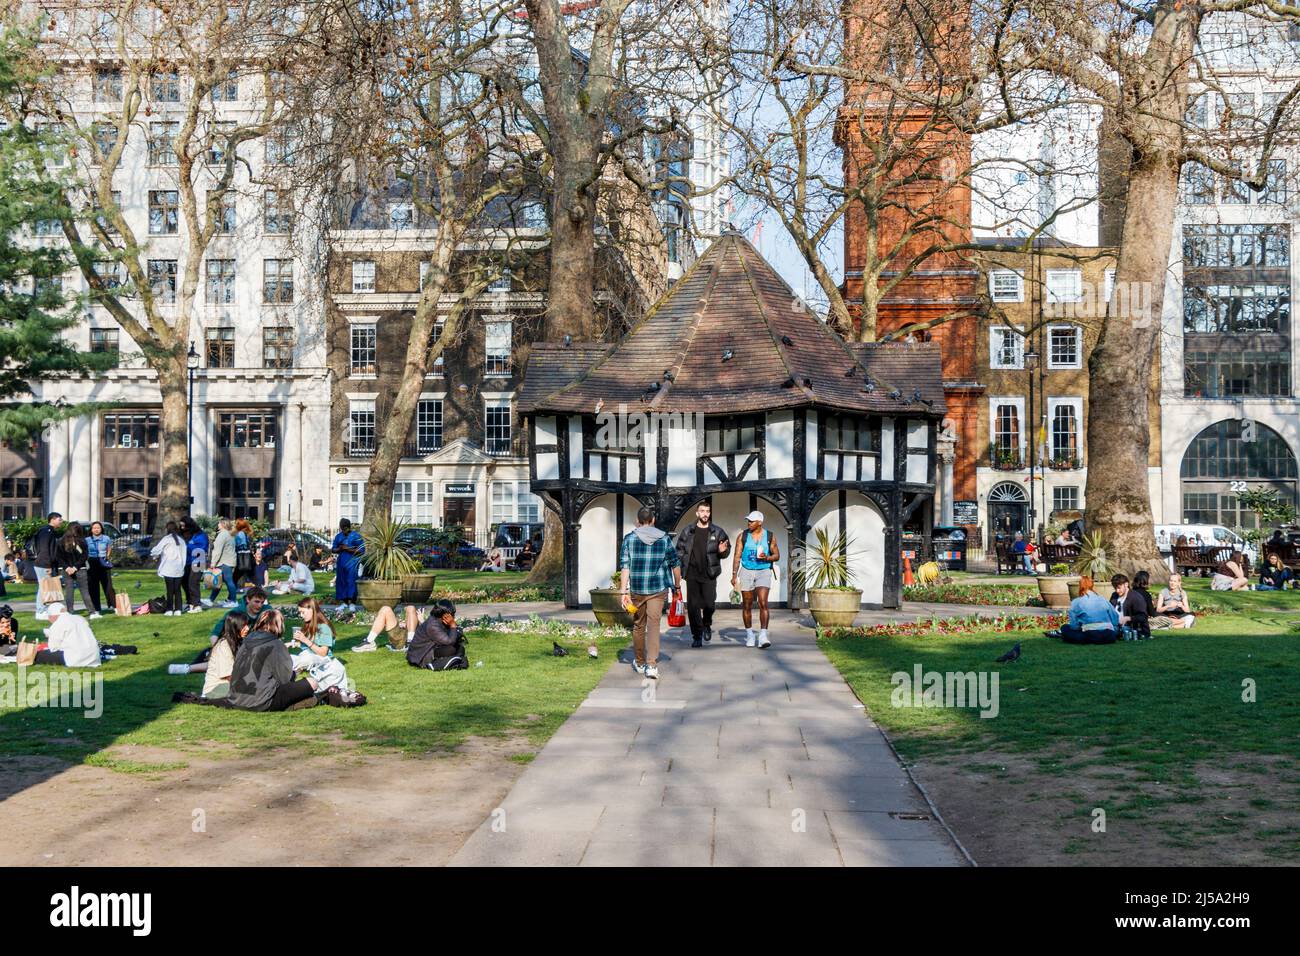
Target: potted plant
385	562
607	604
1058	587
1092	559
826	577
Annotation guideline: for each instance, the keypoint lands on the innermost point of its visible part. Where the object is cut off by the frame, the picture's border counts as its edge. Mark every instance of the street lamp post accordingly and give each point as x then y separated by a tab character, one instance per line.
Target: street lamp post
191	364
1031	365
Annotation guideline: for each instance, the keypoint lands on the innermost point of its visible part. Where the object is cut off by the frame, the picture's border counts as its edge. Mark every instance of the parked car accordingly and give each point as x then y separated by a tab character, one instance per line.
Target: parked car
513	535
277	541
136	543
428	545
1211	536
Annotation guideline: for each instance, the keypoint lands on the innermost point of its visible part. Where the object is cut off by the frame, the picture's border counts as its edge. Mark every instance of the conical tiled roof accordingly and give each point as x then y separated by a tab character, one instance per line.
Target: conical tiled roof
778	354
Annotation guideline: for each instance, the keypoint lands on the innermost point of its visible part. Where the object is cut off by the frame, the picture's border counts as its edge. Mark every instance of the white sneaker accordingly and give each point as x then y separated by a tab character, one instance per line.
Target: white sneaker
205	602
195	609
762	638
364	647
95	615
652	672
638	667
749	637
41	617
178	668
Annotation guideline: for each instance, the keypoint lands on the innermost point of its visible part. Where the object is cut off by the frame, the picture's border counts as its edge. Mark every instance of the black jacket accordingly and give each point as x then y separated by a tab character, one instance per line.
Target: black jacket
1139	608
65	557
687	538
433	639
44	546
1274	576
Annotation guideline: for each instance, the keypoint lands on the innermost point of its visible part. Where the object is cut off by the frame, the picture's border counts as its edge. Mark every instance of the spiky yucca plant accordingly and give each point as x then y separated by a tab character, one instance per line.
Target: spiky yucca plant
825	563
385	559
1092	560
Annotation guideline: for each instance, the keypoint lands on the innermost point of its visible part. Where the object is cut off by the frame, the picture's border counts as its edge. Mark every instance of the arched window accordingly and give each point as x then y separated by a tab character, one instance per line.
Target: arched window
1007	491
1227	458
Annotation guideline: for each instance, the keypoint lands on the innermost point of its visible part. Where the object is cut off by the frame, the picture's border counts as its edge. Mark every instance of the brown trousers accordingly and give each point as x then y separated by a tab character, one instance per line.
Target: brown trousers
645	626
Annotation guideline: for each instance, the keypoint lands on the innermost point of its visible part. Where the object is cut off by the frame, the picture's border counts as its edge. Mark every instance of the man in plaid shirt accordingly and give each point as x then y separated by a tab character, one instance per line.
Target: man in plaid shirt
644	561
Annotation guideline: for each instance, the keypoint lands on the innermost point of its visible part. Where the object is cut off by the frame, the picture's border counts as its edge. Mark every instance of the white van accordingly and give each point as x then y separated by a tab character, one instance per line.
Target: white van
1211	534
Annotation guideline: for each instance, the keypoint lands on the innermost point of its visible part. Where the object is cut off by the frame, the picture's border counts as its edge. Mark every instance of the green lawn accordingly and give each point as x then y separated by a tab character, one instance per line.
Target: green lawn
144	584
1150	712
520	688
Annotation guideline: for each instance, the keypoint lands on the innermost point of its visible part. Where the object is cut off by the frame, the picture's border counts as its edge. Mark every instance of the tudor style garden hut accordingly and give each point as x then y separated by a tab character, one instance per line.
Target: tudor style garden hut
732	390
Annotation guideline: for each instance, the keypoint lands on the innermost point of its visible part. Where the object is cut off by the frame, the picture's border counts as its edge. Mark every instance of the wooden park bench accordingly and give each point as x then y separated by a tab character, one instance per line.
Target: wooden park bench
1287	550
1051	554
1189	559
1008	562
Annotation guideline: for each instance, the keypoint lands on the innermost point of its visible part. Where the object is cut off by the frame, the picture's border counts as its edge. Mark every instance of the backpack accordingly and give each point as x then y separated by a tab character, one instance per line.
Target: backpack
767	542
455	659
157	605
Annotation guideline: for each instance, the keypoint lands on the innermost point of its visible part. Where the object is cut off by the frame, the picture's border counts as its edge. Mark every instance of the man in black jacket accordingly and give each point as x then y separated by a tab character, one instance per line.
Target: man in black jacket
700	549
44	546
438	644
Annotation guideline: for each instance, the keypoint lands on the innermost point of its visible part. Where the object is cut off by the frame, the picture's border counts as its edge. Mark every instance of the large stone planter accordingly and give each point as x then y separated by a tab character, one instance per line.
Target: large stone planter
1055	589
417	587
607	605
834	607
375	594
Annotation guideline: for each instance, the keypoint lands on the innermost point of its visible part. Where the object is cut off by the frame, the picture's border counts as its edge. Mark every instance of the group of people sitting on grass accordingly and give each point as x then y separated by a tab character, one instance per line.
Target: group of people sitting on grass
69	641
1129	614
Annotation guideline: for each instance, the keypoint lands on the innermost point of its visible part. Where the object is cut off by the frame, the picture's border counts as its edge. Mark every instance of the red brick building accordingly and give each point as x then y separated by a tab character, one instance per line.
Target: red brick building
916	206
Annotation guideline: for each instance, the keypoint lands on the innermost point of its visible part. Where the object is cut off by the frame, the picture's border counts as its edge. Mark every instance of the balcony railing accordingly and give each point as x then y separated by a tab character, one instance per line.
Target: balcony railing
515	447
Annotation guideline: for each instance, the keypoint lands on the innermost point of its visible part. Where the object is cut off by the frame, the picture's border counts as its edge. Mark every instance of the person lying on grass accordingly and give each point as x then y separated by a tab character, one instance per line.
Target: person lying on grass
399	634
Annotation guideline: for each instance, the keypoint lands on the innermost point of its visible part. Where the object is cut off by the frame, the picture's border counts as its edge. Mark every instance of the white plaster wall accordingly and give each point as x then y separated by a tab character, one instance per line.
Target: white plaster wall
599	538
780	444
865	526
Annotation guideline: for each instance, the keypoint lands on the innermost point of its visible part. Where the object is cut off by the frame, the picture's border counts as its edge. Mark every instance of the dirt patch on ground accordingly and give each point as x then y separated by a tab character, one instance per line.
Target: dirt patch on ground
1007	811
169	808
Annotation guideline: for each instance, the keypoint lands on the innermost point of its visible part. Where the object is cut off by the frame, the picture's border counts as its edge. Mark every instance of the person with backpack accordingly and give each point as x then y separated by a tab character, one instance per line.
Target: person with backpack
44	547
751	572
645	559
172	556
438	644
244	560
700	548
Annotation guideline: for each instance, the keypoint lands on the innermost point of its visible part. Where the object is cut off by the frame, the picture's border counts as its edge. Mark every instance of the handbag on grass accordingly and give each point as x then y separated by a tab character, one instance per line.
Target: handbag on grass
122	605
26	653
51	590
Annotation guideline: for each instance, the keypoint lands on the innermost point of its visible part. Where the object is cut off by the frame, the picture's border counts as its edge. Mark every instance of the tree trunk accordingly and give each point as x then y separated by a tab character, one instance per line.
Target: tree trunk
571	291
397	423
174	488
549	566
1117	496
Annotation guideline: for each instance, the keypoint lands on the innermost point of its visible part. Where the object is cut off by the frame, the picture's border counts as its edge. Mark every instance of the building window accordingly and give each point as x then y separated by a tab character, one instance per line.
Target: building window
671	219
222	206
103	217
1006	285
498	338
535	214
107	86
162	143
1064	346
282	147
502	283
1006	348
162	280
413	501
277	281
846	433
48	227
496	426
277	347
105	137
218	141
165	87
277	212
428	425
220	346
362	361
131	430
1064	285
437	367
1065	436
227	90
513	502
105	341
1006	435
164	212
219	288
361	427
1065	498
1227	458
1197	185
351	500
363	276
1236	310
730	433
110	273
401	215
51	135
247	430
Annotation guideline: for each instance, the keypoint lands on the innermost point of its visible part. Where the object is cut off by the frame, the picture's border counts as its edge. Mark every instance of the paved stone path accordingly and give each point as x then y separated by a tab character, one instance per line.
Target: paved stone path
736	756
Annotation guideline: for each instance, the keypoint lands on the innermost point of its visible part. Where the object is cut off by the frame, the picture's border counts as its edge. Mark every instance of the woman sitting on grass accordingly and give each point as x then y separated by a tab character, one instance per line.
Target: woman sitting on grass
262	676
317	640
1230	576
1275	576
1092	619
300	579
1173	608
221	662
1138	606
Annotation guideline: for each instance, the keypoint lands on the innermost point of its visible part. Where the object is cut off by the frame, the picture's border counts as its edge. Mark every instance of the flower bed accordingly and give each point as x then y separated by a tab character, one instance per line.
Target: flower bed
522	592
547	626
984	595
952	625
